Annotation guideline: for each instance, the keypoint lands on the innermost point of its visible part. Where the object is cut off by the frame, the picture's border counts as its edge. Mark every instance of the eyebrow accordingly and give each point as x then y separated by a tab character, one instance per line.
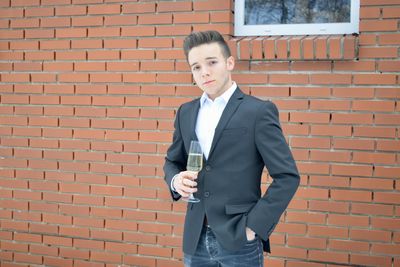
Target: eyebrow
207	58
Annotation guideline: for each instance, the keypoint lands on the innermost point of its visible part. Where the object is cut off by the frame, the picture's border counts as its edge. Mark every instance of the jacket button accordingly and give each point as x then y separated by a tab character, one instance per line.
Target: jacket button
208	168
206	194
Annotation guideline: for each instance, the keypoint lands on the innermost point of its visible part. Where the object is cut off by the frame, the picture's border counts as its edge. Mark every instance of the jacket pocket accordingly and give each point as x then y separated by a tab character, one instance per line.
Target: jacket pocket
235	131
238	208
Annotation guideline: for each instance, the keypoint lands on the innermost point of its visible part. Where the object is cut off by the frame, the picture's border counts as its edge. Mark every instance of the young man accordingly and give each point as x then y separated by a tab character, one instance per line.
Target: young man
239	135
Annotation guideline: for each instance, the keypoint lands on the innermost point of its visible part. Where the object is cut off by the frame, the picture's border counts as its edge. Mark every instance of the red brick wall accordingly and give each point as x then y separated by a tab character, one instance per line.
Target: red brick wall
89	89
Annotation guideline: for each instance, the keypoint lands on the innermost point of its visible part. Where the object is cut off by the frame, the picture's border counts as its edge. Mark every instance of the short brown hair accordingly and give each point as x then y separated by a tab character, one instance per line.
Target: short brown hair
205	37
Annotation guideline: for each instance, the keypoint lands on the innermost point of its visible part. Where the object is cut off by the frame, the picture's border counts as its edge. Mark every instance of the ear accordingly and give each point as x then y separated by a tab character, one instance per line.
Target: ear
230	63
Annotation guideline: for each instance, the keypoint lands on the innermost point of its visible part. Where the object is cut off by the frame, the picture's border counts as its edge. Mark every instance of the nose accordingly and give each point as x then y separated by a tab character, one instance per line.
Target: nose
205	71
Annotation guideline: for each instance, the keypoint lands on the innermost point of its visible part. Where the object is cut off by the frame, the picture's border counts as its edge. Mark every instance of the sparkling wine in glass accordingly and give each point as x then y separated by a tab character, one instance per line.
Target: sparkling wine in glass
194	164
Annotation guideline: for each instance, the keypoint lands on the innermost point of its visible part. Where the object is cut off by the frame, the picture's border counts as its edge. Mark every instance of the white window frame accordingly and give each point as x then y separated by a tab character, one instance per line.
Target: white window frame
296	29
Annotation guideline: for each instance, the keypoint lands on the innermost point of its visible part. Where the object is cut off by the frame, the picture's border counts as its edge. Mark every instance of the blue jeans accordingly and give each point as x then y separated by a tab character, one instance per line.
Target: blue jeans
209	253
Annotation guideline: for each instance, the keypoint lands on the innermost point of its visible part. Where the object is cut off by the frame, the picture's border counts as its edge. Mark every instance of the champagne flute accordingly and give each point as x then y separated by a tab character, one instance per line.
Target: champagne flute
194	164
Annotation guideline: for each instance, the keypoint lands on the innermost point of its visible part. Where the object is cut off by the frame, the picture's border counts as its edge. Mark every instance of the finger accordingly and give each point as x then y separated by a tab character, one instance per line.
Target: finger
183	194
190	175
188	183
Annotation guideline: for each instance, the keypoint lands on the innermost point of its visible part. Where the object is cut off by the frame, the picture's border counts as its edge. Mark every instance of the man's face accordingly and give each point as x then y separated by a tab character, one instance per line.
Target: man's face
211	70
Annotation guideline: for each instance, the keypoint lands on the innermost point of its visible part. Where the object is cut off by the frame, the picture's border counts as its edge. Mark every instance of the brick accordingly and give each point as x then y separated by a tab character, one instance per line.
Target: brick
87	21
377	52
57	44
104	32
155	43
70	10
53	2
389	39
330	78
349	47
288	79
157	66
223	28
138	54
308	49
295	50
378	132
39	11
319	205
297	253
25	3
378	25
328	231
212	5
370	12
74	253
73	77
184	18
71	33
80	44
388	66
83	221
360	66
366	157
71	55
12	34
222	17
155	19
57	66
255	78
388	172
120	44
60	241
390	12
55	22
139	8
369	235
86	1
138	78
385	223
104	9
90	66
138	31
12	13
363	259
173	30
336	257
388	145
139	260
174	6
347	245
107	235
372	183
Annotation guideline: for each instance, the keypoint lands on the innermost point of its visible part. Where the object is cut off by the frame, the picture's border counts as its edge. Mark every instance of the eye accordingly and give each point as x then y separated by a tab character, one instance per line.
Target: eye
195	68
212	62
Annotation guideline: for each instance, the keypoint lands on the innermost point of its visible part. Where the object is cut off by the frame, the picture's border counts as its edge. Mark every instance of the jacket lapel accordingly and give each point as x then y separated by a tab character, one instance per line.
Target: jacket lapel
192	121
231	106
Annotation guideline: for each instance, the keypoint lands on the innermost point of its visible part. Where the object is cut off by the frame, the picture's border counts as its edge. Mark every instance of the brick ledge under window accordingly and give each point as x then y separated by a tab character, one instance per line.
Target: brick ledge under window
329	47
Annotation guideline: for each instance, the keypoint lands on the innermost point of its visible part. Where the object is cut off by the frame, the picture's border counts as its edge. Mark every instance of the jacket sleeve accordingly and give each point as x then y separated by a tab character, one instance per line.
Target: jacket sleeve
281	166
175	160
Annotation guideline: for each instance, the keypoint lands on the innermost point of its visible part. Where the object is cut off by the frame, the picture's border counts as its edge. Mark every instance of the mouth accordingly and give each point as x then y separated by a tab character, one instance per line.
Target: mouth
208	82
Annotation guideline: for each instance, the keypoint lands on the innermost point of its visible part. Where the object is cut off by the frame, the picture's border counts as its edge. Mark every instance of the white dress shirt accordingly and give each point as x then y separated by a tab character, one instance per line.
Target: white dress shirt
208	117
207	120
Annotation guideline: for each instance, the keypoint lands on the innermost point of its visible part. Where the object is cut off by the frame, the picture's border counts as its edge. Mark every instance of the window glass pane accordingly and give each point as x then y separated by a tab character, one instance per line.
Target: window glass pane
259	12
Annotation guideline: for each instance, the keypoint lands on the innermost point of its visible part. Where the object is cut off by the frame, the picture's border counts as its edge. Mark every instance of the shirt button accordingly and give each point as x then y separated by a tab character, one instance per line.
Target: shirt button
206	194
208	168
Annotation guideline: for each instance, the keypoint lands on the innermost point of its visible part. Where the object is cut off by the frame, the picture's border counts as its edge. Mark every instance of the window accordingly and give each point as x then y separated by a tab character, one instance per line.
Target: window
296	17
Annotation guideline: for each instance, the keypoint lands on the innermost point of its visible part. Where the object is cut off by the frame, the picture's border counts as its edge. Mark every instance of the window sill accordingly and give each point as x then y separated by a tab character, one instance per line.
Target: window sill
289	48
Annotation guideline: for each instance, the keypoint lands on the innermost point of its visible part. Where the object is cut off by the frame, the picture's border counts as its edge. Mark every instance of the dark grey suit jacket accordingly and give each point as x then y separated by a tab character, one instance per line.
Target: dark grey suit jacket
247	138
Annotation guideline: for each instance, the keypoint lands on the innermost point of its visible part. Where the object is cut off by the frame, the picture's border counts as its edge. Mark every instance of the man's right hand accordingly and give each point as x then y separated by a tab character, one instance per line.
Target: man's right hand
185	183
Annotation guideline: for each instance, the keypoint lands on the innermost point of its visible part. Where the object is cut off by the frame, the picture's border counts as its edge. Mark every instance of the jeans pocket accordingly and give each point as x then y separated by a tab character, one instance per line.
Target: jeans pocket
254	240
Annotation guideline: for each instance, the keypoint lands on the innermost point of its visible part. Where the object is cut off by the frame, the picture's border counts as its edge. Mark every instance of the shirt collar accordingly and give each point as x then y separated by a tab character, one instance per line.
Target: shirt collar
224	97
